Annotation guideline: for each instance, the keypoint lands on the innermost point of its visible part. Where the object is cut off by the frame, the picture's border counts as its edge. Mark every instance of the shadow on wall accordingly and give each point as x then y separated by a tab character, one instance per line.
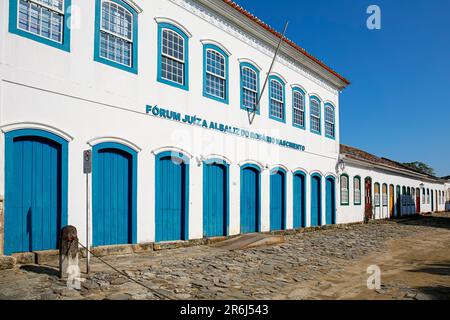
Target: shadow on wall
427	221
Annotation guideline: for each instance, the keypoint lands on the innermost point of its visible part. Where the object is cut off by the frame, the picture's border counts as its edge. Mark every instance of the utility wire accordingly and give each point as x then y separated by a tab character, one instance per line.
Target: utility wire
160	295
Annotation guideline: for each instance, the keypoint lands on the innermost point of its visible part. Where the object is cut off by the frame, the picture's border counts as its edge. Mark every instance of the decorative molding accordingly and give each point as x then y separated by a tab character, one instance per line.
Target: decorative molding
125	142
218	21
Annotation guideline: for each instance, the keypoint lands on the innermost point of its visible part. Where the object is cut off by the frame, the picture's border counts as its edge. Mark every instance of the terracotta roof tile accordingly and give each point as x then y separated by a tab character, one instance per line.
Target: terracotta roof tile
279	35
361	155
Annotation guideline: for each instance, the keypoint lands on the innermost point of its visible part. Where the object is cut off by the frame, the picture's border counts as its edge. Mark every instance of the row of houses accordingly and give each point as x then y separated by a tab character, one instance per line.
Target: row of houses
163	95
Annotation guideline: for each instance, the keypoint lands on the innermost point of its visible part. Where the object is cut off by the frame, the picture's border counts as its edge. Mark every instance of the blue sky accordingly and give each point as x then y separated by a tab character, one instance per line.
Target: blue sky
398	105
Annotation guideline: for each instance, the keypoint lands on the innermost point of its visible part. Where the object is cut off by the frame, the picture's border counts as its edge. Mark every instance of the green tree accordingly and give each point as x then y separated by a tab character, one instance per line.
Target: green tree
420	167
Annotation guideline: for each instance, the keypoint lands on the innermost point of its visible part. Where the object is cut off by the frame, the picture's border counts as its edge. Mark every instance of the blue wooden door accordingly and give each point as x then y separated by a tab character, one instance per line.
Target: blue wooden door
250	199
34	193
316	201
330	202
112	197
299	201
171	198
277	200
215	199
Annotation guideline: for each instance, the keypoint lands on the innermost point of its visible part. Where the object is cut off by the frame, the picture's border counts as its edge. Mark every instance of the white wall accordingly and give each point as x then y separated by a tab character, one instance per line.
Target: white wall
355	213
88	100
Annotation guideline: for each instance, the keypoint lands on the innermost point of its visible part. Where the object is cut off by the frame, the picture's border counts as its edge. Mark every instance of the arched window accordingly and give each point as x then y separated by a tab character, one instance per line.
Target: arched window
377	194
249	87
428	196
330	130
298	108
423	196
357	190
344	190
276	99
116	35
315	115
216	73
173	56
385	195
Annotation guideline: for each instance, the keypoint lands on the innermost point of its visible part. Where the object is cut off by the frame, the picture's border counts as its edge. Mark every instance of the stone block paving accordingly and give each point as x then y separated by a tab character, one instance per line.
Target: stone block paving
206	272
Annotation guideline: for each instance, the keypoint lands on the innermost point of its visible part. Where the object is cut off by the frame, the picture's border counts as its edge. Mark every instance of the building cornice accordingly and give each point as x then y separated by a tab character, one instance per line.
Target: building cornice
405	172
227	18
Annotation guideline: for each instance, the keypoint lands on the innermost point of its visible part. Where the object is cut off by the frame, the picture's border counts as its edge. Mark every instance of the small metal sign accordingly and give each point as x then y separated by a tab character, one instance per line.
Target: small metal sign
87	161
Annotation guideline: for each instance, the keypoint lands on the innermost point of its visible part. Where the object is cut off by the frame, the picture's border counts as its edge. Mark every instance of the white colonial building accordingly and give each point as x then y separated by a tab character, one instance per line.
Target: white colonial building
164	93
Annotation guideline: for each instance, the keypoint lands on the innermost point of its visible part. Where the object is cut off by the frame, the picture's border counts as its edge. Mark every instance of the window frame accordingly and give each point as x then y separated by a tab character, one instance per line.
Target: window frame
329	105
283	86
14	25
161	27
253	68
377	184
341	189
311	98
213	47
97	31
354	191
385	196
303	93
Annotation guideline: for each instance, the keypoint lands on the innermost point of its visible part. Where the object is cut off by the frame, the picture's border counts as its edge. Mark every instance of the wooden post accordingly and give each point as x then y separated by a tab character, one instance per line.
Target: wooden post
68	254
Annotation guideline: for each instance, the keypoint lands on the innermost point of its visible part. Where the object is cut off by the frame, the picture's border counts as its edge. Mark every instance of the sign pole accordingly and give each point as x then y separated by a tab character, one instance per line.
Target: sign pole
87	169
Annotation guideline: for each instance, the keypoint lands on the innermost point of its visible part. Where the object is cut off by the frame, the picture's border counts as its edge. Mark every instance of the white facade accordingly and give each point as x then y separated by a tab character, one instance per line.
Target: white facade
402	205
87	103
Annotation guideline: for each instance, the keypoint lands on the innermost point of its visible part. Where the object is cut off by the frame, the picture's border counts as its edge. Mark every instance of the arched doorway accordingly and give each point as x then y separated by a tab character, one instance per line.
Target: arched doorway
35	190
330	207
277	199
368	199
391	201
250	199
114	194
299	200
172	197
316	200
417	200
215	198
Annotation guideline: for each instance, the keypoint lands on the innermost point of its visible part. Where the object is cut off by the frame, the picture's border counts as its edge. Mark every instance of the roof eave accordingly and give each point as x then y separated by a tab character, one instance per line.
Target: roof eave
232	12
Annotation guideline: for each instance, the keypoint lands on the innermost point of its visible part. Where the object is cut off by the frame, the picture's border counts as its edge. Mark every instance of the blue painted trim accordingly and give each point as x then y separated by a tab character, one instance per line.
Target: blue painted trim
13	28
297	89
278	79
169	26
227	194
186	161
275	171
334	117
258	169
360	190
303	218
252	67
9	163
320	209
210	46
333	198
134	63
133	154
320	115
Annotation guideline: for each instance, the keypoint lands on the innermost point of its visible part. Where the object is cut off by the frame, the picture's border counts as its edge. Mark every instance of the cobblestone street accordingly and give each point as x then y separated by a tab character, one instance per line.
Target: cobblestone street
332	263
